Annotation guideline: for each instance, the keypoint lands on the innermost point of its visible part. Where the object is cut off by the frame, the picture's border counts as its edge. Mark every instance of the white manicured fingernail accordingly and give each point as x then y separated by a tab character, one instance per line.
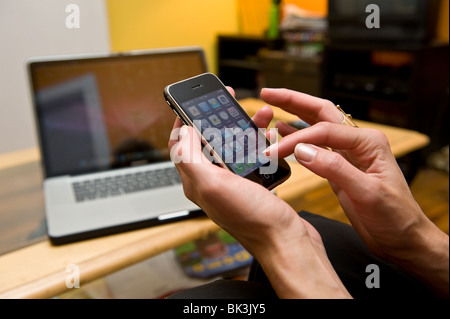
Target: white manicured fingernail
305	153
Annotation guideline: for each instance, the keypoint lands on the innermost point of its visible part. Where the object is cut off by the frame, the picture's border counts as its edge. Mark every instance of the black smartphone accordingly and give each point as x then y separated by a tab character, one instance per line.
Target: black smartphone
228	133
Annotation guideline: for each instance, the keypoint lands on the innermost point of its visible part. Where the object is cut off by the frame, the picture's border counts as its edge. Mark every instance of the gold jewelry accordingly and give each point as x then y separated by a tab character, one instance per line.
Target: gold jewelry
347	119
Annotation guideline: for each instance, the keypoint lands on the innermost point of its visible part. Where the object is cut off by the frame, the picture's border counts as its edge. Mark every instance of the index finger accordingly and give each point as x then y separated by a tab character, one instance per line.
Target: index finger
339	137
309	108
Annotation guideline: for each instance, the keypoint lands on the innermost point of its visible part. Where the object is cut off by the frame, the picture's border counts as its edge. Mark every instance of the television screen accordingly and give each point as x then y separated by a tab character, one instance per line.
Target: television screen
399	20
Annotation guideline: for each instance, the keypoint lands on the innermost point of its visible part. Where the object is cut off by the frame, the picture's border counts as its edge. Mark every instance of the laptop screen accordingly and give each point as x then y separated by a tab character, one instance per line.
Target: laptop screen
95	114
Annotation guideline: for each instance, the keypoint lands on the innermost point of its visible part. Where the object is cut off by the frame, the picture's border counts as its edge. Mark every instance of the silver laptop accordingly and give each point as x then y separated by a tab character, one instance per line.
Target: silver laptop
103	127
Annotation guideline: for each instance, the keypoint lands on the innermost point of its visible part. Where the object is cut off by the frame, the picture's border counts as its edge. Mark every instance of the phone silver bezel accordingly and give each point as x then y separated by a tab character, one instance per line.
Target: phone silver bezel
186	120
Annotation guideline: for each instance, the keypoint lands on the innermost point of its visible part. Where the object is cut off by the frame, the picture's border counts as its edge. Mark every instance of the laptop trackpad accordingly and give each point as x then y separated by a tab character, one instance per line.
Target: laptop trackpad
162	202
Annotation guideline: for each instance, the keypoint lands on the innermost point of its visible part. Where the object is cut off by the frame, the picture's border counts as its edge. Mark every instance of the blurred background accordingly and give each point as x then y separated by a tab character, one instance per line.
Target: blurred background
248	48
396	74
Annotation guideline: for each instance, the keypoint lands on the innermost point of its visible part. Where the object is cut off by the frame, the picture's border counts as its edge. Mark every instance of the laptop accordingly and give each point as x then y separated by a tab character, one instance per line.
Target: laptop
103	126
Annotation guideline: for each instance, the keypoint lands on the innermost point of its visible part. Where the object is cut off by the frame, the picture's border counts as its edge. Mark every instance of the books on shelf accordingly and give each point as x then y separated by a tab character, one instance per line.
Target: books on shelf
303	31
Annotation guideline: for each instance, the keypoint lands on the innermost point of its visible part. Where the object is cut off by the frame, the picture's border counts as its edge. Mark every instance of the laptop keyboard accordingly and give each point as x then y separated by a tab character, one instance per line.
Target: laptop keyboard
125	184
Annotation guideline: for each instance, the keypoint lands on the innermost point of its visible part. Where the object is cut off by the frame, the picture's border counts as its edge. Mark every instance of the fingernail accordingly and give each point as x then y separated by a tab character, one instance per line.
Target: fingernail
305	153
270	151
184	130
267	151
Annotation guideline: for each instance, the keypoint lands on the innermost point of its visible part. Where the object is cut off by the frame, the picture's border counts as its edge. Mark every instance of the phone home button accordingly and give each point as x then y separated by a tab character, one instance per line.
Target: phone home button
267	177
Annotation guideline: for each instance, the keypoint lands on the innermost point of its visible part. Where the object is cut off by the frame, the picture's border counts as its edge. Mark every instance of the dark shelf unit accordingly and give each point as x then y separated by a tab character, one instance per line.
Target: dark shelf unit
238	62
411	92
285	70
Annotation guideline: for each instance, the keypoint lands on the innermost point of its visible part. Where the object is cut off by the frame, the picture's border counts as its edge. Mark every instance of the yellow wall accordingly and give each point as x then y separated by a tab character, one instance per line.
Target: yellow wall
319	6
254	14
442	31
143	24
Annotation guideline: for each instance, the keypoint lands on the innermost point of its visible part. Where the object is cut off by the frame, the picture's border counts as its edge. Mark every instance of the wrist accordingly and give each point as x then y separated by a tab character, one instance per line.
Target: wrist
297	266
428	258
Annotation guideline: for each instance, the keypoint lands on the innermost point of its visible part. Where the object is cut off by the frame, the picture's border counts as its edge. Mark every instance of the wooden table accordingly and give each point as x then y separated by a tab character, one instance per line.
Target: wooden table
39	270
302	180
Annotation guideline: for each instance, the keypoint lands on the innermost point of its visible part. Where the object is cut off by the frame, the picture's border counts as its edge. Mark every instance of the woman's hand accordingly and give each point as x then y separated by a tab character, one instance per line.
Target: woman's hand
288	248
370	186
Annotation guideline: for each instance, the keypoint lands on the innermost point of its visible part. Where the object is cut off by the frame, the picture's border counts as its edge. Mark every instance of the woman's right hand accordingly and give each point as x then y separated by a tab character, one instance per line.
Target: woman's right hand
370	186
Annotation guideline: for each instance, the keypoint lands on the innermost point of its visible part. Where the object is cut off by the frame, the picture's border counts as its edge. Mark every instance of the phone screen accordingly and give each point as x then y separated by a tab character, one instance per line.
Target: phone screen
228	130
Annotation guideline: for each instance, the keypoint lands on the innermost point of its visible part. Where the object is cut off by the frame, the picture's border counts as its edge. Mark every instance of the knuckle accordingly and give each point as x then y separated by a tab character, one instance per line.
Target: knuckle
379	140
380	137
333	163
322	127
288	96
327	103
322	131
329	111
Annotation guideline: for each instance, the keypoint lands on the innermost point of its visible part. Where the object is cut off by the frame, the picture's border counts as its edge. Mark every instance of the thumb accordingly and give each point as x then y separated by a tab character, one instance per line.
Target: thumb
187	149
187	153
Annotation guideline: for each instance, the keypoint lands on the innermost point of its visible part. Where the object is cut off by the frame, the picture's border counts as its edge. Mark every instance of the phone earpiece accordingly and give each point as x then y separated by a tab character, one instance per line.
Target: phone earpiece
197	87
